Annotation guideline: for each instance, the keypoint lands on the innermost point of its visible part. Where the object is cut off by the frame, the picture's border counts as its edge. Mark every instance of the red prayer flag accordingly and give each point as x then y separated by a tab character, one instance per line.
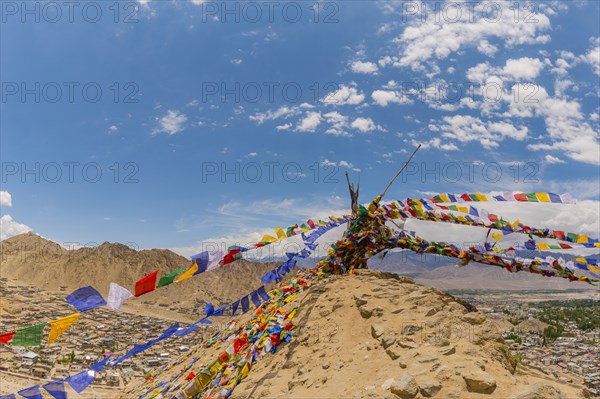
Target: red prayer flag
564	246
493	218
190	376
559	234
521	197
6	338
147	284
311	224
466	197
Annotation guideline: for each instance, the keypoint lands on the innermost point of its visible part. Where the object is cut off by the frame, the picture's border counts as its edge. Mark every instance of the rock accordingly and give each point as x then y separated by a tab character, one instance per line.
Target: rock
439	340
429	388
479	381
541	390
289	364
377	312
387	341
365	312
428	359
402	364
326	365
324	312
336	306
360	300
449	350
387	384
377	330
394	352
406	344
474	318
431	312
399	310
406	387
443	373
411	329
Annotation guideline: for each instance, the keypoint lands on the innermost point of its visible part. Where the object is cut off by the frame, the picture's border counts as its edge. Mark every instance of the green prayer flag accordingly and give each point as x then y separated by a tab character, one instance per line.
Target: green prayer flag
572	237
169	278
30	336
531	197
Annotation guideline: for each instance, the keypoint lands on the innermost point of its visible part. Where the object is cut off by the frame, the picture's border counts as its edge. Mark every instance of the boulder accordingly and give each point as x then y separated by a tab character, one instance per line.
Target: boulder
387	341
540	390
406	387
429	388
393	352
479	381
377	330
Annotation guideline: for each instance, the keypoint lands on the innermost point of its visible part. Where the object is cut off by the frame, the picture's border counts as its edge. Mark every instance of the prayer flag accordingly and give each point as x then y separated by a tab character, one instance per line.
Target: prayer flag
86	298
56	388
169	278
59	326
280	233
30	336
6	338
117	295
189	273
31	392
146	284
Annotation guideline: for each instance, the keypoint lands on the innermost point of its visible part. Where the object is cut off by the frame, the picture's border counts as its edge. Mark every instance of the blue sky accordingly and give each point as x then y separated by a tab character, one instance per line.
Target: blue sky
344	86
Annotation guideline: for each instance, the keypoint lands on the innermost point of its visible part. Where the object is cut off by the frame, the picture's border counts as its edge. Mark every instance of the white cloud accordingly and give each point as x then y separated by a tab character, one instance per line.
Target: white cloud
553	160
385	97
5	198
509	130
363	124
281	112
9	227
438	36
466	128
172	123
523	68
593	57
345	95
113	128
486	48
236	61
435	142
251	154
284	127
310	122
567	127
364	67
338	122
341	164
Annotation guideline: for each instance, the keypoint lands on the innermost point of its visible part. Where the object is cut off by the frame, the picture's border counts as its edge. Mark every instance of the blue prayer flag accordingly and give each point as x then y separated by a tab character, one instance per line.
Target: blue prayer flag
86	298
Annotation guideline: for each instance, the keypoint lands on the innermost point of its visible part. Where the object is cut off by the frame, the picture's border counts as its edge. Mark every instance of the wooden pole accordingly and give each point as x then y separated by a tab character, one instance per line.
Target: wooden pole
400	171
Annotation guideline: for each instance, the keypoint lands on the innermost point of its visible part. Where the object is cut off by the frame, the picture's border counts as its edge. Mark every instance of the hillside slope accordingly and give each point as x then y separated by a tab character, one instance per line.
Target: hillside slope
32	260
377	335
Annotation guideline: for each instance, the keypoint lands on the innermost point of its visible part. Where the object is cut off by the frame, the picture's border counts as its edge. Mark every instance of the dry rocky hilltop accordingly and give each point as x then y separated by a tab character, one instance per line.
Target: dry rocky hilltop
378	335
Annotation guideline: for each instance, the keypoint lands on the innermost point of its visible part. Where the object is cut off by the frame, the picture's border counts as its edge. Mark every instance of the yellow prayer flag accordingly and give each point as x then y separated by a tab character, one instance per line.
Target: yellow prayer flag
245	371
268	238
581	239
280	233
515	223
593	269
497	236
59	326
188	273
542	246
481	197
463	209
542	197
